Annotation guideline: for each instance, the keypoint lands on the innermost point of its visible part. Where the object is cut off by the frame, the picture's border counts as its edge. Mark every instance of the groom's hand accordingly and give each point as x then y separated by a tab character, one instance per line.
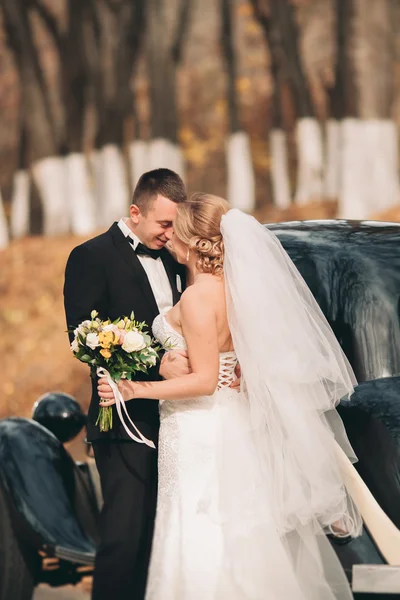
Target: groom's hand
175	363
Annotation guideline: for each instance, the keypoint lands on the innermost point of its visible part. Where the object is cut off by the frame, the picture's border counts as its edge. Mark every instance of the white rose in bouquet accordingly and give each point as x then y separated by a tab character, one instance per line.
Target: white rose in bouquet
74	346
133	341
82	327
92	340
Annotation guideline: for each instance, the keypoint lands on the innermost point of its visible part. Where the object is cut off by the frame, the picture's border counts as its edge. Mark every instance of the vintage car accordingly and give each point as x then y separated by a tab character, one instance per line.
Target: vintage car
50	504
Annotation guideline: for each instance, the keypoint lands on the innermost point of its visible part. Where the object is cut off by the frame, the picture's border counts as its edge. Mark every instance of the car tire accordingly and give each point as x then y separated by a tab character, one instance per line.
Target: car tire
16	579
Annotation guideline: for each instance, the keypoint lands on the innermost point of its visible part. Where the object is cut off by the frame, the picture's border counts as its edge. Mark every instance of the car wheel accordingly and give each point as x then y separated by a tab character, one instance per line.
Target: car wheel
16	579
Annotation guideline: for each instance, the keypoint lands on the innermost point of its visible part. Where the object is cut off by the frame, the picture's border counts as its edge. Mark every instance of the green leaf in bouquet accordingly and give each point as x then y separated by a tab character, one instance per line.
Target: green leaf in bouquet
147	339
86	358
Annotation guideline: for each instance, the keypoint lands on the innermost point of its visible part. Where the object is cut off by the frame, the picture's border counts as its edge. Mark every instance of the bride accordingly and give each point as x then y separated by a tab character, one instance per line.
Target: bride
249	480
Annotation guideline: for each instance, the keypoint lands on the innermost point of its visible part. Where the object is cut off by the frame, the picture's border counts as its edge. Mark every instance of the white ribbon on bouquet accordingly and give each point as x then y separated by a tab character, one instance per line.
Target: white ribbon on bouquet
120	405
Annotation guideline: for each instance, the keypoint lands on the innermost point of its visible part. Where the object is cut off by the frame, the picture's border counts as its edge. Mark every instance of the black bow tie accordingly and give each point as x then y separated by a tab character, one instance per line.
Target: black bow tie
142	250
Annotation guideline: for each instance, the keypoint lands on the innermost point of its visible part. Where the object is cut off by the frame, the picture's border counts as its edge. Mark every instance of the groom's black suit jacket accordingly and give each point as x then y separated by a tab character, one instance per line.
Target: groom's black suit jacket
104	274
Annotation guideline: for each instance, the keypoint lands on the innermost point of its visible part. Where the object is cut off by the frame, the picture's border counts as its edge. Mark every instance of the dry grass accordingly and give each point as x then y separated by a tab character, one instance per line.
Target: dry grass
36	356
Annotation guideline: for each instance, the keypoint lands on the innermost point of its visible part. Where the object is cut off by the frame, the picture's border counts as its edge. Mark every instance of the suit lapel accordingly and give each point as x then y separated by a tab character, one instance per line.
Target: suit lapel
170	268
125	249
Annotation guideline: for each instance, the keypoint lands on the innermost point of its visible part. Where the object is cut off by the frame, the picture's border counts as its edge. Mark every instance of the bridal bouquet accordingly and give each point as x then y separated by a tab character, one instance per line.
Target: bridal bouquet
118	349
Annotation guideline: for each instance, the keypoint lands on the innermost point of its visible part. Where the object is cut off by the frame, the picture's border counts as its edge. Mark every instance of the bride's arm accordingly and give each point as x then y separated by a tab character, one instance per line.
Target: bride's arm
199	328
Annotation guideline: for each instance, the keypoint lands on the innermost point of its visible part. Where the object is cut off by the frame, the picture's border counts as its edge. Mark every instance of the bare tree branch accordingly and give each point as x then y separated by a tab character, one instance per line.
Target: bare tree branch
36	112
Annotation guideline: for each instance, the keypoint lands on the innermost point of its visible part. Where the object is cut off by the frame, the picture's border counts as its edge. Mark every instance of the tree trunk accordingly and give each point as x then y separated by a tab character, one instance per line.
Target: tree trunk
280	168
139	159
120	35
19	222
308	131
280	177
369	167
341	99
241	183
74	65
80	195
36	115
4	237
333	141
50	176
310	161
163	52
75	84
20	201
373	186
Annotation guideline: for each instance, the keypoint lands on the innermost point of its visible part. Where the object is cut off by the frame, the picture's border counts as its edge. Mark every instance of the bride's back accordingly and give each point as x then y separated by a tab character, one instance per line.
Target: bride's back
211	289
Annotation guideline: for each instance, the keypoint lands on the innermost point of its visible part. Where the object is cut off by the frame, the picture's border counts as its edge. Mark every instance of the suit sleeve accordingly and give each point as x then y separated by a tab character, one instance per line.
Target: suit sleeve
85	287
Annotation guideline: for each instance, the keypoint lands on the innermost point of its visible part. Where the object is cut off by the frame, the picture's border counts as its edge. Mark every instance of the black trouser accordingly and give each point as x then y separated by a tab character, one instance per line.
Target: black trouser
128	474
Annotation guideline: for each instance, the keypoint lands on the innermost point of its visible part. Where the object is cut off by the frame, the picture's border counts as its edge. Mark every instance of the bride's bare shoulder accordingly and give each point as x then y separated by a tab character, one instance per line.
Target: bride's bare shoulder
206	291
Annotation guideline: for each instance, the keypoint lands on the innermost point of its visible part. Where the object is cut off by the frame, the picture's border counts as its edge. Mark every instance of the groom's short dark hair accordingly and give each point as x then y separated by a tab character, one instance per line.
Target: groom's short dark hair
165	182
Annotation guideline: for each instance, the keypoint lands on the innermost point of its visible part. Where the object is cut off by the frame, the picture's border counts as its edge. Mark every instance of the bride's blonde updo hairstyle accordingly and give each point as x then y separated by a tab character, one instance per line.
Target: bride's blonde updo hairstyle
198	224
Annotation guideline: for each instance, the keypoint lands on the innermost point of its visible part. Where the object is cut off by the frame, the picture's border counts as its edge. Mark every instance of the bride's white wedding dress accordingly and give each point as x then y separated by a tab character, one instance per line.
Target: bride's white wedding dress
197	554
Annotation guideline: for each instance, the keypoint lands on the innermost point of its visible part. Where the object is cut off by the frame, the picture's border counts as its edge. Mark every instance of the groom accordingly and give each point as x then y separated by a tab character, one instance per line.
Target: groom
123	270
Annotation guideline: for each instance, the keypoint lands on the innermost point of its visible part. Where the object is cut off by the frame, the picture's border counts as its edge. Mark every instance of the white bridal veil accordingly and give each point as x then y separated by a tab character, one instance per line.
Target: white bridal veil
277	444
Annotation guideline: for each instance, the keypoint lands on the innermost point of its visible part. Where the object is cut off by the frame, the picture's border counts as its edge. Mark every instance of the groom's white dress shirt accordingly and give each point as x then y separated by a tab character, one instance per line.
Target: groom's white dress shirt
155	272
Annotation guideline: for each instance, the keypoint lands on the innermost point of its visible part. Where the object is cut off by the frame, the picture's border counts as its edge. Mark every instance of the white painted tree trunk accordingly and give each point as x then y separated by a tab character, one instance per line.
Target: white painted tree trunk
80	196
354	183
241	183
139	159
280	168
4	238
111	184
20	204
332	172
164	153
50	178
381	144
95	169
369	168
310	161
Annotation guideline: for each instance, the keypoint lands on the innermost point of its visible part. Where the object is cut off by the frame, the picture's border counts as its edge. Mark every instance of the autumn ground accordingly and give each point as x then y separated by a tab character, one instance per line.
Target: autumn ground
68	592
36	355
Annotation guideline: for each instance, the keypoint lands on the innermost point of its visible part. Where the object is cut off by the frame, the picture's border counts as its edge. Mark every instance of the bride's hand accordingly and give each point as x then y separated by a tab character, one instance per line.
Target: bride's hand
106	394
